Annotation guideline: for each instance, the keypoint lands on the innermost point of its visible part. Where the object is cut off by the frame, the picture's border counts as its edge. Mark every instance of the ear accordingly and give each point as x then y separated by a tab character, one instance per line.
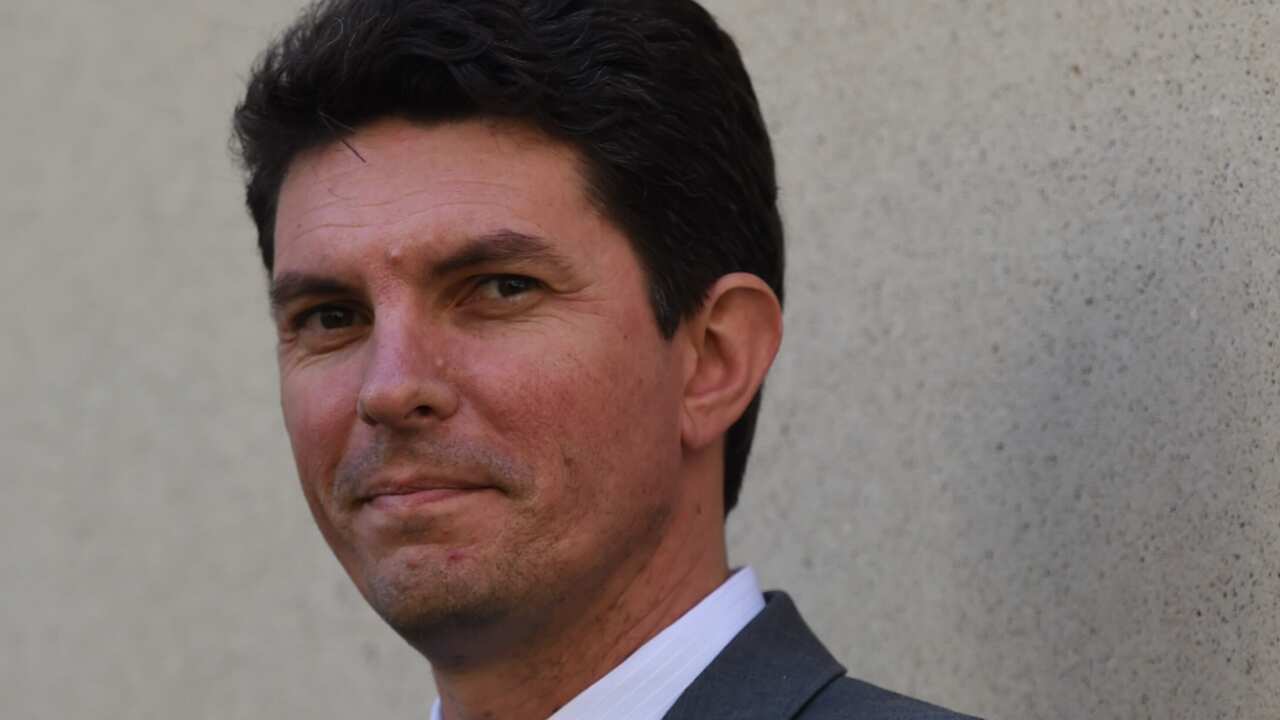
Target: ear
733	338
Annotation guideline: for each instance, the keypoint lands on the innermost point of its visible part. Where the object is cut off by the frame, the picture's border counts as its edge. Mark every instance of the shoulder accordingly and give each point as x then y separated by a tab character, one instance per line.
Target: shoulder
846	698
777	669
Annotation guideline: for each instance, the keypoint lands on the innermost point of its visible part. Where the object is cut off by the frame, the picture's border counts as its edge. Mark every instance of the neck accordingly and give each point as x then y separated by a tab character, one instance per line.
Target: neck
537	676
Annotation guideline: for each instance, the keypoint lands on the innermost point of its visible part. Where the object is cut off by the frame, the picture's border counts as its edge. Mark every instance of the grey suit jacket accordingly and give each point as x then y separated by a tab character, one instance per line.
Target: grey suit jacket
776	669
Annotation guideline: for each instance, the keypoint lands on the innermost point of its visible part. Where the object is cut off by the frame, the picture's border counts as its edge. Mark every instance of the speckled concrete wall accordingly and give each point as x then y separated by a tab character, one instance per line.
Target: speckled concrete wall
1019	452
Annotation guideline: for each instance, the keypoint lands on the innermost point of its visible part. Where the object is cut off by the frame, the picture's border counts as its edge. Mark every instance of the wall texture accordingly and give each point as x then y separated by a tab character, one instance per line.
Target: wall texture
1018	454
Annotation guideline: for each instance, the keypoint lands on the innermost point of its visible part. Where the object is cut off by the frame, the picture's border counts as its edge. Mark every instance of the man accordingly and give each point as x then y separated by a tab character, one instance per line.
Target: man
526	268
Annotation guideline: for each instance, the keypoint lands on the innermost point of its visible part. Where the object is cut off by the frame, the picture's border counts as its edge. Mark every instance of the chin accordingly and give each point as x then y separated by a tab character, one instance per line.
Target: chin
428	602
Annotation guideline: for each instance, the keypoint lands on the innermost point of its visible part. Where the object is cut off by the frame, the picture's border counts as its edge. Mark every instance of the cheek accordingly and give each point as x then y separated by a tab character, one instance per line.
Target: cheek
594	410
319	409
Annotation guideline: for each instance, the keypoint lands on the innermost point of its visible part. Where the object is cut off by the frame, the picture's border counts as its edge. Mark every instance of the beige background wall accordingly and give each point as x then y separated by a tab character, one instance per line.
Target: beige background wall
1018	455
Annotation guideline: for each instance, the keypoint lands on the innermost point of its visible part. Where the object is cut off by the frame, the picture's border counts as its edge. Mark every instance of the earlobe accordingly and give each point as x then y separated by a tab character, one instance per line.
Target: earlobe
733	338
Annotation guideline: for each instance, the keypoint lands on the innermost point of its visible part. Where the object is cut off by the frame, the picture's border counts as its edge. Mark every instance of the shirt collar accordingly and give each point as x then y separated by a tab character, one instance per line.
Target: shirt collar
648	683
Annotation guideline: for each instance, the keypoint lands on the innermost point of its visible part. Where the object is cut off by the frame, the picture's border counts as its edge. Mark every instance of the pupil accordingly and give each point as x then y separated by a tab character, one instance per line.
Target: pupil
512	286
333	319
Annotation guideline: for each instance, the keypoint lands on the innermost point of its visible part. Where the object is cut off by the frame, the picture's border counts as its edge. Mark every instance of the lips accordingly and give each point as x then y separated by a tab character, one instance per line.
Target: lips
414	492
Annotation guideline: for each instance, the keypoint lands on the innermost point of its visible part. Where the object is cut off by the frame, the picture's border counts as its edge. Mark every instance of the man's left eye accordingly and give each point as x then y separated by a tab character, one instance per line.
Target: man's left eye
507	287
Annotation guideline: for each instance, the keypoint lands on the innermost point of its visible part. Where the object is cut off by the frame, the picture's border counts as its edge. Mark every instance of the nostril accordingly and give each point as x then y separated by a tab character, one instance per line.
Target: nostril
362	412
413	399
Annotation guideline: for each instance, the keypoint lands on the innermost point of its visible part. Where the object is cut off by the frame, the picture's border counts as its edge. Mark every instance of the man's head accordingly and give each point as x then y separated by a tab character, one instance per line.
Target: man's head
526	262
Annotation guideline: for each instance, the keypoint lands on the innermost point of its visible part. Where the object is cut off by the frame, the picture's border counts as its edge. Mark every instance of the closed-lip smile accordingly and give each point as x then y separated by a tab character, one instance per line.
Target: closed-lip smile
414	492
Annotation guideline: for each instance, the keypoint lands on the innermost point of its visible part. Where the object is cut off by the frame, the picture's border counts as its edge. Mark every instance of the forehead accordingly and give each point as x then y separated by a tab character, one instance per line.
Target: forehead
408	187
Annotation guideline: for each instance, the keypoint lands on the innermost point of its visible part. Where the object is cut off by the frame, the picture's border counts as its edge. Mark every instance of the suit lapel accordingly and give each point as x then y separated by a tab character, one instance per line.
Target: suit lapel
769	671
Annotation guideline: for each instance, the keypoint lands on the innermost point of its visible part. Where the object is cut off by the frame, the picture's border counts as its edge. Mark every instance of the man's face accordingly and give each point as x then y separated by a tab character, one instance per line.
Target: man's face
484	415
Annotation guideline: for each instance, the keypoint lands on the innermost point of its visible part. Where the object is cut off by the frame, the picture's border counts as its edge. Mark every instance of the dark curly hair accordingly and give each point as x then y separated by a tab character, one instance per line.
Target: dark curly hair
651	93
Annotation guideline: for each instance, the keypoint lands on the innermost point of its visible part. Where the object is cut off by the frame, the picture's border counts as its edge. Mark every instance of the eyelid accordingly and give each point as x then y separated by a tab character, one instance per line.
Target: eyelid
298	320
482	280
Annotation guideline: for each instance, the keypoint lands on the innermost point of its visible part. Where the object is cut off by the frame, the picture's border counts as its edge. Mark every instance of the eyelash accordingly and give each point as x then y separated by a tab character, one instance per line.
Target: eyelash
301	319
530	284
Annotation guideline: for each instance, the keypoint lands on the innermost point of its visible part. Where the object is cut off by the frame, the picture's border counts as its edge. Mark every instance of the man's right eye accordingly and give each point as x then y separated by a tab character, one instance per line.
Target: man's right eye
327	318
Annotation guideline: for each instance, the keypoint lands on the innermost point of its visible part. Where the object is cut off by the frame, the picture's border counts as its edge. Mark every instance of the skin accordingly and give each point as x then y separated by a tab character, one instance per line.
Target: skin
519	473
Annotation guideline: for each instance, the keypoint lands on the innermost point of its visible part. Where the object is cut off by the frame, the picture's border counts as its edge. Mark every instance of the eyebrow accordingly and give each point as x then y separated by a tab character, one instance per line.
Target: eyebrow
502	246
289	286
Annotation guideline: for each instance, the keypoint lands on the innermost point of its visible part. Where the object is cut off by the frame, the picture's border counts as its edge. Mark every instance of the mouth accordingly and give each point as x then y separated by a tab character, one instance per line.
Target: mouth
414	499
415	494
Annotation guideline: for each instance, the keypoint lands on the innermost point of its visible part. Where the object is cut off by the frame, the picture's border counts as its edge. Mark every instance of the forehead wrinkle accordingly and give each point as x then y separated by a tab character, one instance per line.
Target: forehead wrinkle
393	221
336	198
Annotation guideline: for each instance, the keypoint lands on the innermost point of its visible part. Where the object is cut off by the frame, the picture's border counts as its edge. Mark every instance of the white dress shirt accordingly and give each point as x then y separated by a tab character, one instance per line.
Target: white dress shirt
648	683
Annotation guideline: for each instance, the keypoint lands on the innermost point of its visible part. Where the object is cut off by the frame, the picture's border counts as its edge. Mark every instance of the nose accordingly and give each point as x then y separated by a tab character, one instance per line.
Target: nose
405	385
